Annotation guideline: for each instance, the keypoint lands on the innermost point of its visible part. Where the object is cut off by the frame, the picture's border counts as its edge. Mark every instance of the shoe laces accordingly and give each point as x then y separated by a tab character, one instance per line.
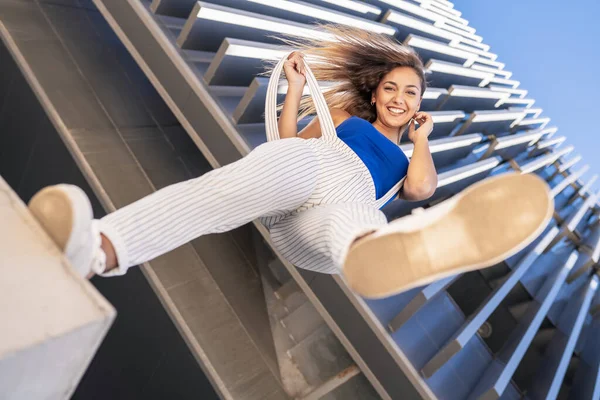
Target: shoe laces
98	264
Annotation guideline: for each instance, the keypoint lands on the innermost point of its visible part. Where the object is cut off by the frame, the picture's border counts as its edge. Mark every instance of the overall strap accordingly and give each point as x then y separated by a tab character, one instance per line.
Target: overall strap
390	195
327	125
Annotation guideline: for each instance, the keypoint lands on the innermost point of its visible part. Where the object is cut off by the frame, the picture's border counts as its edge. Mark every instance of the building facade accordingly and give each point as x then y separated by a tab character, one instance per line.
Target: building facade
169	89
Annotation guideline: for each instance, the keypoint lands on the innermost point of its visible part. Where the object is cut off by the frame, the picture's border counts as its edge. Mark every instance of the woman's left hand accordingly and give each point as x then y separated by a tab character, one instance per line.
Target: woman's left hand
425	127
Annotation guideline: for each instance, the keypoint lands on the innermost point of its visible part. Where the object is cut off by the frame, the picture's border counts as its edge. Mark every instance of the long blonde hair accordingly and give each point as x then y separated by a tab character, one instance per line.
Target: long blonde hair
354	61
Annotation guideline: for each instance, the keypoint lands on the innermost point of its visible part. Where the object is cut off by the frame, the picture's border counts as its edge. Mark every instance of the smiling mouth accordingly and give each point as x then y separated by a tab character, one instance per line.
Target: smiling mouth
396	111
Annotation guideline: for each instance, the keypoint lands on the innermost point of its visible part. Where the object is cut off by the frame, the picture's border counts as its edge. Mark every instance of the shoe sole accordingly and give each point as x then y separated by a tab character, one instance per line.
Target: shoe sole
57	208
491	221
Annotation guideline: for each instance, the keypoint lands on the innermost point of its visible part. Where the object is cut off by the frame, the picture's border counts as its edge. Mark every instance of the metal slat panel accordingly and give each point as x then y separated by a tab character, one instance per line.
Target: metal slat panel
473	48
567	181
591	243
427	15
470	41
547	145
532	123
577	217
453	20
544	161
508	147
490	122
420	300
450	26
554	141
569	163
512	103
447	151
470	99
533	112
564	166
238	61
497	72
444	74
407	25
430	49
432	97
208	24
455	180
498	375
550	375
508	83
472	325
351	7
252	106
444	123
305	13
586	383
451	13
498	65
584	191
584	264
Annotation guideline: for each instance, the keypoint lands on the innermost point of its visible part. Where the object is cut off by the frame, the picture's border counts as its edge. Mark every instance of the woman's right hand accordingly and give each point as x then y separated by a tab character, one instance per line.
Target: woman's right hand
425	126
295	71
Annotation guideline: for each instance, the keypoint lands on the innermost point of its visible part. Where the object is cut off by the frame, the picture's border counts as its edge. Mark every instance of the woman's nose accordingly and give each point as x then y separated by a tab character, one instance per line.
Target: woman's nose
399	99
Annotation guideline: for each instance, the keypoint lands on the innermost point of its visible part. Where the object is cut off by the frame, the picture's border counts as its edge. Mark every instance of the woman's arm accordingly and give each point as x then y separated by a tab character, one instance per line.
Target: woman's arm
294	73
421	178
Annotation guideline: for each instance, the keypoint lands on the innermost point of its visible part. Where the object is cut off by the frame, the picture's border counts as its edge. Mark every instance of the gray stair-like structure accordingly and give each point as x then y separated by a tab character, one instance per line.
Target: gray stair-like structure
261	328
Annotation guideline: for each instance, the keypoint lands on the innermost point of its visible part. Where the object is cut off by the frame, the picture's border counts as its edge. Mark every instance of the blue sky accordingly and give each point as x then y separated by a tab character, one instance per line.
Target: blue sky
553	48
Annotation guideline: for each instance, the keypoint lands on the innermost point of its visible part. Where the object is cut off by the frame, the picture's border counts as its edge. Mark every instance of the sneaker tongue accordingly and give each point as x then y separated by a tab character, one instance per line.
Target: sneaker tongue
99	262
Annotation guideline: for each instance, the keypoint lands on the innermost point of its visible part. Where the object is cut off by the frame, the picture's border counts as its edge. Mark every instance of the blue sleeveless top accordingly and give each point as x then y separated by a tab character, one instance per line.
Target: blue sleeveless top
386	162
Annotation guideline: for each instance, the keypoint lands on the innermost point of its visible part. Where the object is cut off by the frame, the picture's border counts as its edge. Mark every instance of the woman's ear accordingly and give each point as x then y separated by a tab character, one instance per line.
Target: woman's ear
416	111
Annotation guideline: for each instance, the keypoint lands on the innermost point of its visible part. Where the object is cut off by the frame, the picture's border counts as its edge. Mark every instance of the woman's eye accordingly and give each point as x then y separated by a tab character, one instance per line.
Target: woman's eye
389	88
412	93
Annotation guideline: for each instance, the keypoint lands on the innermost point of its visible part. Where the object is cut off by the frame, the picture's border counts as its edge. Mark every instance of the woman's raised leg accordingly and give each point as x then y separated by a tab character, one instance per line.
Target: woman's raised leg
276	177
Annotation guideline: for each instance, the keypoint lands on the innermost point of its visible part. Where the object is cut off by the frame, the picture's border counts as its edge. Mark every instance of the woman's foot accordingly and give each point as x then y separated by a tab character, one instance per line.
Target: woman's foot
479	227
65	212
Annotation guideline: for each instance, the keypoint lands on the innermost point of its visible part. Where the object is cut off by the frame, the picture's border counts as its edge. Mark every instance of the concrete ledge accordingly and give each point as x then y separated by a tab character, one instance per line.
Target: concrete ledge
53	320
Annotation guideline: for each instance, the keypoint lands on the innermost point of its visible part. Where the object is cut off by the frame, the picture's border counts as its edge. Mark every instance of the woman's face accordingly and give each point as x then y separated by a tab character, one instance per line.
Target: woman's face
398	97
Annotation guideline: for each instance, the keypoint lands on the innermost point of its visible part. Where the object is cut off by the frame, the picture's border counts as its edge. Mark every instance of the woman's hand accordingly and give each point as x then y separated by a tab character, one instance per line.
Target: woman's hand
421	178
295	72
425	127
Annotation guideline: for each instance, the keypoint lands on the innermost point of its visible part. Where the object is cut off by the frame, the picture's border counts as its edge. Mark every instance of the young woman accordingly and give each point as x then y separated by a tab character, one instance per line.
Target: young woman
319	191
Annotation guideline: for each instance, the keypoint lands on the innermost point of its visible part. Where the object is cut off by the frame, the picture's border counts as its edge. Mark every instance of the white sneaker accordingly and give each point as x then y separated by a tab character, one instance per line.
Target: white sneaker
477	228
65	212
